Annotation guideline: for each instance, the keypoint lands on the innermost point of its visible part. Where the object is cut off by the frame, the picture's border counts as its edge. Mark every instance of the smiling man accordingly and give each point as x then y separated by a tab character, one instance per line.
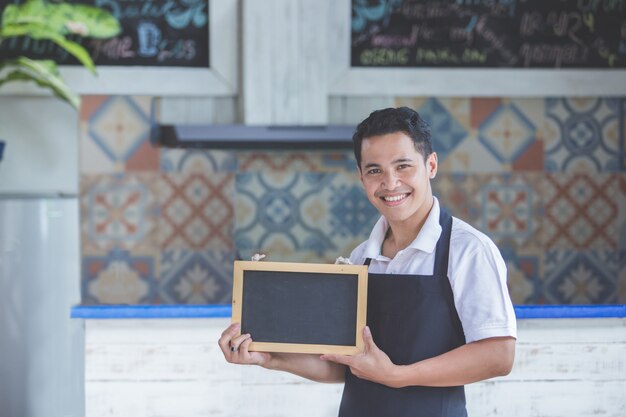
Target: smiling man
439	312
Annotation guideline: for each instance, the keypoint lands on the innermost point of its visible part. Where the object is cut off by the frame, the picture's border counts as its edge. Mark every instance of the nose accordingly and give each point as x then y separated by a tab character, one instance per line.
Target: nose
390	180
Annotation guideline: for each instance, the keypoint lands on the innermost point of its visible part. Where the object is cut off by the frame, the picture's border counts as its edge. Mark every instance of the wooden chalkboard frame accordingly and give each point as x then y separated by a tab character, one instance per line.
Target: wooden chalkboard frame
241	267
344	80
218	80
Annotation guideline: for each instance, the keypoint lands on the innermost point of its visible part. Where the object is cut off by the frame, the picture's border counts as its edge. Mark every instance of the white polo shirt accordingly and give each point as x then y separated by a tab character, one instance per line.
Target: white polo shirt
476	271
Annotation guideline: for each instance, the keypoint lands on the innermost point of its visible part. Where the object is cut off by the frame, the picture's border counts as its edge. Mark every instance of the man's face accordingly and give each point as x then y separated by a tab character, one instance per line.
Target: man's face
395	176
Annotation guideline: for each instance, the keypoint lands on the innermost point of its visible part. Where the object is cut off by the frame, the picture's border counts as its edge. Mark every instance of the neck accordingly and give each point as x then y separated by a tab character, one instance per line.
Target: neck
402	234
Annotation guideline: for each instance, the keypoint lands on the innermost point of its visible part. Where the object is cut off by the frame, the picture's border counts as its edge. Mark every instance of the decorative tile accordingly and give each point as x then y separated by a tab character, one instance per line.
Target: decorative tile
196	211
581	277
196	277
621	278
470	157
510	207
581	211
169	236
502	137
300	212
339	161
410	102
621	198
533	109
456	193
507	133
531	159
89	105
481	108
525	274
119	277
197	160
446	132
116	135
457	107
582	135
622	141
119	211
505	207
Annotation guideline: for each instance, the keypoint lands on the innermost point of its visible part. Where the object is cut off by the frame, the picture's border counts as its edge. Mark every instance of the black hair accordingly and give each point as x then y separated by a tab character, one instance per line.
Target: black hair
392	120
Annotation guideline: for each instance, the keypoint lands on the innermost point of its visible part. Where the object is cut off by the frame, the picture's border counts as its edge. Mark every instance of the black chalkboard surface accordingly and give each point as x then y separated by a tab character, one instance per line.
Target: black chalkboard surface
489	33
155	33
306	308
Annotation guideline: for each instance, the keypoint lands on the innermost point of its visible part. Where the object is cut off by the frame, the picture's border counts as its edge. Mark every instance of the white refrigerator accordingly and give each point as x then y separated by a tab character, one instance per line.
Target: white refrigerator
41	348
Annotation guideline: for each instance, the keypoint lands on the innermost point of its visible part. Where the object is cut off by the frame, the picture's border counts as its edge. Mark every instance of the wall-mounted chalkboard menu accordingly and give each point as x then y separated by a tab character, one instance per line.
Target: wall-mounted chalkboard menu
489	33
155	33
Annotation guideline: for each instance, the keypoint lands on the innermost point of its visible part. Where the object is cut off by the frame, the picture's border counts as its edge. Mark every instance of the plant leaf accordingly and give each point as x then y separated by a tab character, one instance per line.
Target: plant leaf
97	23
63	18
44	73
36	31
77	50
33	11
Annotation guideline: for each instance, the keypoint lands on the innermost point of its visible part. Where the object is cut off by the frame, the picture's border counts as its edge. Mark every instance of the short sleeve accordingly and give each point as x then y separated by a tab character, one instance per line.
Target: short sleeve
478	278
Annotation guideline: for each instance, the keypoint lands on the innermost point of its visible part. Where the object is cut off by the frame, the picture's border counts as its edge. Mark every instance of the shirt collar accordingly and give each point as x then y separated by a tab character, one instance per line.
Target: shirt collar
425	241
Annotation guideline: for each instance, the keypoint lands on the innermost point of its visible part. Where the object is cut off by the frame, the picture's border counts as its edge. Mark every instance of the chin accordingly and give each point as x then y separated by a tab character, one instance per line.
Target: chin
395	216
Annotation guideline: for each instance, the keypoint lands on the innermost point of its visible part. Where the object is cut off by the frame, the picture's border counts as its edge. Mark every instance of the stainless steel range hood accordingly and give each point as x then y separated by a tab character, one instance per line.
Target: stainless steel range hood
254	137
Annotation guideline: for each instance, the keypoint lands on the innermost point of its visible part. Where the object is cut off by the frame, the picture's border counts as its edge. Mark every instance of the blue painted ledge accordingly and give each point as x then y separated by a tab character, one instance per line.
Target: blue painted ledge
221	310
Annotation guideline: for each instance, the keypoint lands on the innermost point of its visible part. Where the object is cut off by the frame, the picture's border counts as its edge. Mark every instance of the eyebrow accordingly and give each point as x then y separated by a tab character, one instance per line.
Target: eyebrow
397	161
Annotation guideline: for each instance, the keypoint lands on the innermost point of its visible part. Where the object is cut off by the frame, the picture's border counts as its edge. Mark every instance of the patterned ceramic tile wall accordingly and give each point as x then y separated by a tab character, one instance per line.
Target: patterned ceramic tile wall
545	178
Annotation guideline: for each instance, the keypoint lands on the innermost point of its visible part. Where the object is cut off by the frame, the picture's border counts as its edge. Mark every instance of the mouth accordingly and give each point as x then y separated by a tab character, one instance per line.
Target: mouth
394	199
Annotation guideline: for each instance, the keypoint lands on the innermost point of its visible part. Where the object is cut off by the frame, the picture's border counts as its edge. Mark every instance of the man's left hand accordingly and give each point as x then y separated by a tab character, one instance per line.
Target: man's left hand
372	364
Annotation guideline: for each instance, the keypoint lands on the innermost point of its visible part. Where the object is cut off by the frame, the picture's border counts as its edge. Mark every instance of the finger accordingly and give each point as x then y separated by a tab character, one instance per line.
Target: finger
257	358
340	359
368	340
227	335
237	341
244	347
231	330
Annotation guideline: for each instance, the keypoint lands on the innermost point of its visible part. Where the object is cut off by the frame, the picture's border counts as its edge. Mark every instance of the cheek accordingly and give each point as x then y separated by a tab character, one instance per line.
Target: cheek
370	190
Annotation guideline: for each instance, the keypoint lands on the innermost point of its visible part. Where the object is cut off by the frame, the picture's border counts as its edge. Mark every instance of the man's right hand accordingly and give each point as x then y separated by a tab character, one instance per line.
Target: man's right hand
235	348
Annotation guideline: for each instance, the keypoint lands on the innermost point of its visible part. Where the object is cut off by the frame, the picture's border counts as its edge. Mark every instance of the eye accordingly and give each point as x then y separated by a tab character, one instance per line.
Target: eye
403	166
373	171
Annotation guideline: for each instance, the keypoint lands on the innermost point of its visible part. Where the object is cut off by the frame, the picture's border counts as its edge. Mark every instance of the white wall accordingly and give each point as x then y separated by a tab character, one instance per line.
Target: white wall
41	153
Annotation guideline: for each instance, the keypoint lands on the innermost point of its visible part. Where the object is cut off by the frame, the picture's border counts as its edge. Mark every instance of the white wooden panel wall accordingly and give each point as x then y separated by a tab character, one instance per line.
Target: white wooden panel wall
284	61
149	368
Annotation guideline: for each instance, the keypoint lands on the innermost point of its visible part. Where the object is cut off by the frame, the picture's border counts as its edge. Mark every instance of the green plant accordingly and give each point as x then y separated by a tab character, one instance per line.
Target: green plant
53	21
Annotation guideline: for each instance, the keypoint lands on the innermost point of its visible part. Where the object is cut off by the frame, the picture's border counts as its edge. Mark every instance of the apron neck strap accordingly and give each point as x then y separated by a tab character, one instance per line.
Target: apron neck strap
443	244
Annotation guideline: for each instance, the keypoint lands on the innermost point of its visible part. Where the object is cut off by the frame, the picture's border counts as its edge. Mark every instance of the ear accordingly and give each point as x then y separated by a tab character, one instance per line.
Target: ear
432	165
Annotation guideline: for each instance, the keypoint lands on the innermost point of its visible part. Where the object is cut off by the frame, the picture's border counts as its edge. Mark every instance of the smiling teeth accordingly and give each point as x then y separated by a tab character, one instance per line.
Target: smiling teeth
395	197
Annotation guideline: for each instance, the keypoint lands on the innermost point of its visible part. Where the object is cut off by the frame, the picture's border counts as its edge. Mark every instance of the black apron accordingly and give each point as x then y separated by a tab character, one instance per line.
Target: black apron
412	317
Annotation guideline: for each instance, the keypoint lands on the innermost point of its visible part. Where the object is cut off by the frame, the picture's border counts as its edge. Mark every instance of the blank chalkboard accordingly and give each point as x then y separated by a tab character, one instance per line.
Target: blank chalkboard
298	307
489	33
155	33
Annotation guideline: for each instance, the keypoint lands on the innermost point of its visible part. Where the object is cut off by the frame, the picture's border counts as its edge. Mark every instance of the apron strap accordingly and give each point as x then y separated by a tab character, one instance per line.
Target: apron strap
441	269
443	244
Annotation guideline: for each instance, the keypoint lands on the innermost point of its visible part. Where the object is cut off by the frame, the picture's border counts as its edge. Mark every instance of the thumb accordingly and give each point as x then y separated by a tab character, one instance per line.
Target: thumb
368	340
